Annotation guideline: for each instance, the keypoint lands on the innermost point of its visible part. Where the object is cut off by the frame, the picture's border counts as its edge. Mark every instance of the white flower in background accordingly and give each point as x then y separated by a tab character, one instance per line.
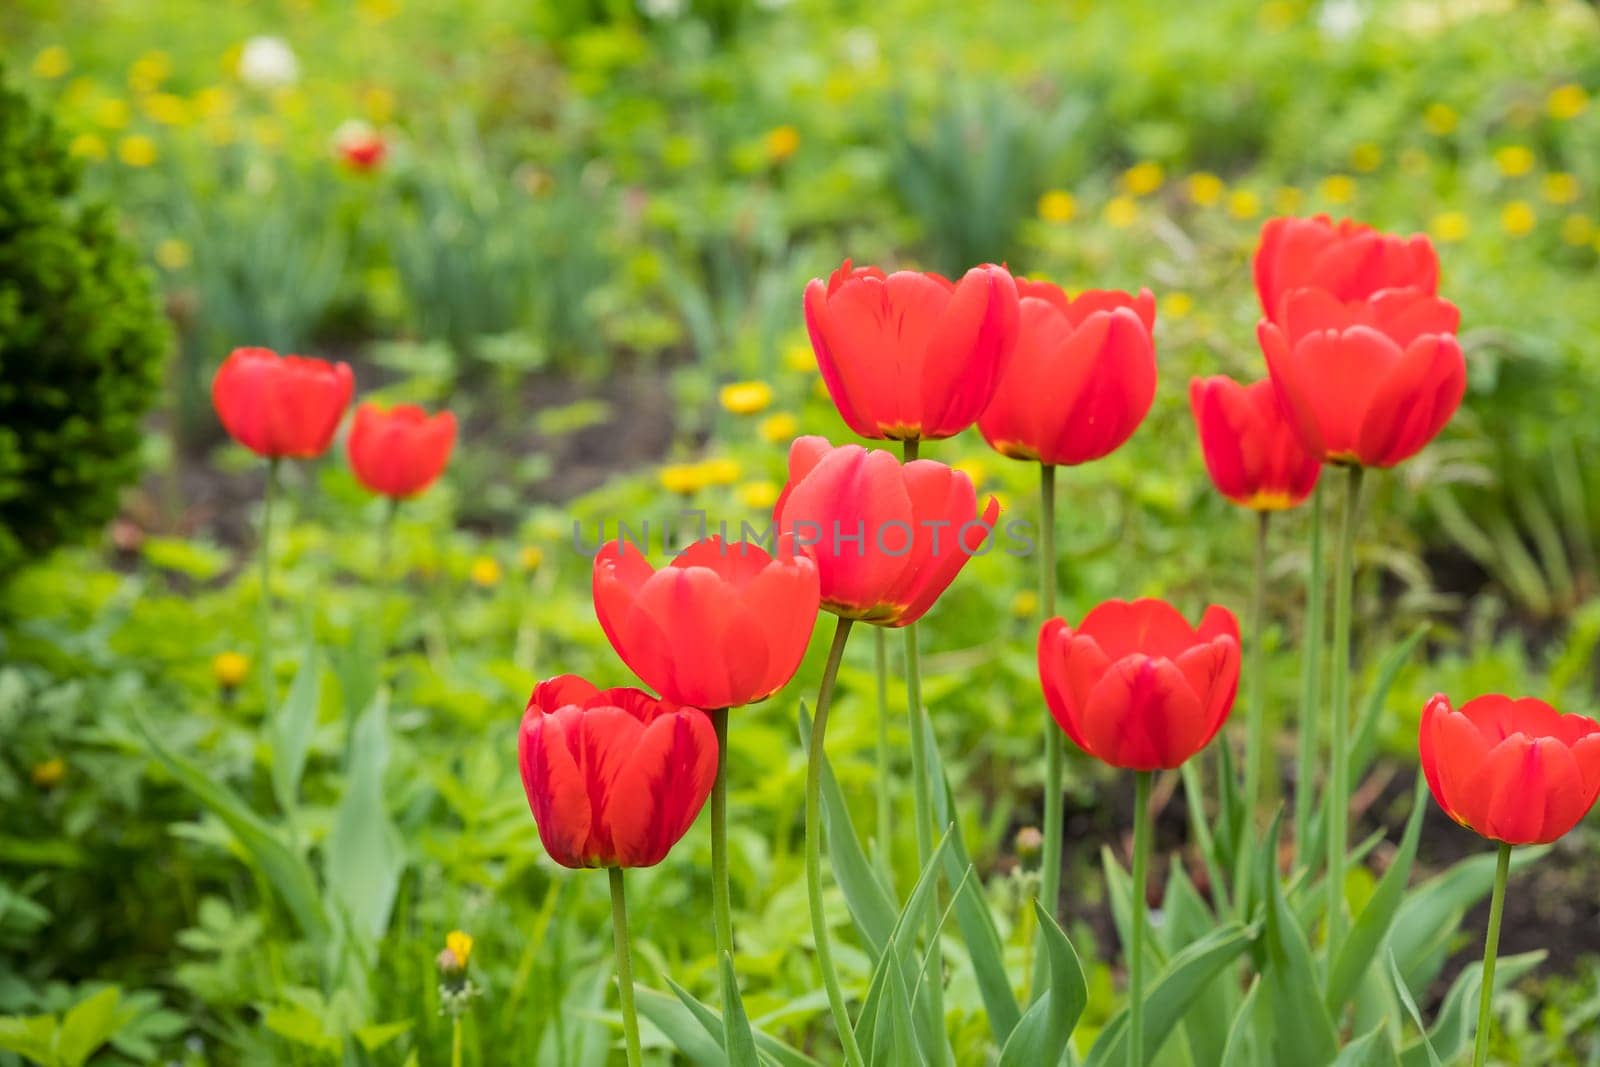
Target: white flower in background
662	9
268	63
861	48
1339	20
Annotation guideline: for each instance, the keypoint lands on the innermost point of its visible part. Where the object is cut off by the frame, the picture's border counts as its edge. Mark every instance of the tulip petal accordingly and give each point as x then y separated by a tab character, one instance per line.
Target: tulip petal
1143	716
1414	399
660	789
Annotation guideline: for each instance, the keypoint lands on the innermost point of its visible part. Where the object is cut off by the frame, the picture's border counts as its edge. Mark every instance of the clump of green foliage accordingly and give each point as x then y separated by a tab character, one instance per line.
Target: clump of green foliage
82	341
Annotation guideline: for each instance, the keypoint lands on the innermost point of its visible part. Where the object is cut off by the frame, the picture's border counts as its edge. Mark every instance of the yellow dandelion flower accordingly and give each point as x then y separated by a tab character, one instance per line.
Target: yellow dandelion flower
1025	605
1244	204
113	114
1142	179
137	150
779	429
173	254
1286	199
781	142
1514	160
1366	157
721	470
1567	101
1518	218
149	71
1440	119
168	109
229	669
1337	189
1057	206
1176	306
48	773
799	357
1205	189
682	478
530	557
1449	226
90	146
378	10
1560	187
1577	229
459	944
52	62
975	468
745	398
378	103
213	102
485	572
759	495
1121	212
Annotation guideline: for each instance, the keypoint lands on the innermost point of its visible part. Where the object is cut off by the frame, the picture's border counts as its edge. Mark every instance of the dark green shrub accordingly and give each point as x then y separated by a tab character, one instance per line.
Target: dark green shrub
81	344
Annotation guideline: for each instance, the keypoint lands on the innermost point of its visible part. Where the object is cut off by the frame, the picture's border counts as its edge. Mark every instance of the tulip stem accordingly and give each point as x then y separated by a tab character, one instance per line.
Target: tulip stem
1255	721
619	928
721	907
1050	861
455	1042
1310	686
819	921
880	643
1141	875
1491	949
264	550
1339	774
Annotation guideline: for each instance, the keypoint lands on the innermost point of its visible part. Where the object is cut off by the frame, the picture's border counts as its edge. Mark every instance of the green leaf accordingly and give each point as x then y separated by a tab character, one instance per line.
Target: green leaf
1361	946
670	1017
1173	993
1371	1049
912	918
901	1045
1404	993
364	857
1455	1026
291	729
1431	912
1185	920
737	1039
1041	1037
376	1035
1303	1034
192	559
30	1036
87	1025
286	871
1242	1046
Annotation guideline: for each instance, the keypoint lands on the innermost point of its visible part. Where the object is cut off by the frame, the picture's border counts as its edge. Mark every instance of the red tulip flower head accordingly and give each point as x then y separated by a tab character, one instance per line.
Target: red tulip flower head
281	406
1515	771
888	537
1082	378
1252	452
1368	382
614	778
1136	686
359	146
400	452
724	625
909	355
1347	259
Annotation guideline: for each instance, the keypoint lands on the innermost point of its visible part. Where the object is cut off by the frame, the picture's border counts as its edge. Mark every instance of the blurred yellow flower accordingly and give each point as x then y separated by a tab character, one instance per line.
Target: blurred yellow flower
759	495
1366	157
1514	160
1440	119
136	150
1286	199
459	945
1176	305
530	557
113	114
1121	212
745	398
721	470
1142	179
213	101
229	669
975	468
1025	605
1517	218
90	146
1276	15
779	429
266	132
1577	229
48	774
682	478
52	62
1560	187
290	102
1449	226
1244	204
1337	189
1058	206
378	103
1567	101
149	71
378	10
485	572
781	142
173	254
168	109
1205	188
799	357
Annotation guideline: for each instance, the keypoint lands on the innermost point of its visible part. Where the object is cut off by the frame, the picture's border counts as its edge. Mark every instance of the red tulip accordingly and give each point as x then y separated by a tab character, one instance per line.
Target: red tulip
1368	382
1252	452
725	625
281	406
909	355
614	778
399	452
1136	686
888	537
1082	379
359	146
1348	259
1515	771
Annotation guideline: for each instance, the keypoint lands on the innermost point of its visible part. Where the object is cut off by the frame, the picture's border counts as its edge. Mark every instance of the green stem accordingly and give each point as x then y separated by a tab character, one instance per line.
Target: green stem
264	551
619	926
819	921
391	511
1255	757
721	907
1310	687
885	770
1338	803
1491	949
909	448
1141	875
455	1041
1050	861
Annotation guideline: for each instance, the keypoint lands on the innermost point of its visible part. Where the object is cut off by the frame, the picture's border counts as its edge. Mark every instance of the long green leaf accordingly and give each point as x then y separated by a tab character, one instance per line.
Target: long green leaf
1431	912
737	1039
669	1018
1303	1034
1410	1003
364	854
912	917
1371	1049
291	729
1242	1049
1040	1039
1456	1024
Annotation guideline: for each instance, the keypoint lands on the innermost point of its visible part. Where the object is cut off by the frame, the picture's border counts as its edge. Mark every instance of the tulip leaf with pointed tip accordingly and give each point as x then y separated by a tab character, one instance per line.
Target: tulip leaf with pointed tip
737	1039
1309	897
291	728
1410	1004
1431	913
1173	993
1200	828
364	856
1185	920
696	1030
1372	1049
1119	894
1456	1023
1046	1027
902	1043
1244	1033
1304	1034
